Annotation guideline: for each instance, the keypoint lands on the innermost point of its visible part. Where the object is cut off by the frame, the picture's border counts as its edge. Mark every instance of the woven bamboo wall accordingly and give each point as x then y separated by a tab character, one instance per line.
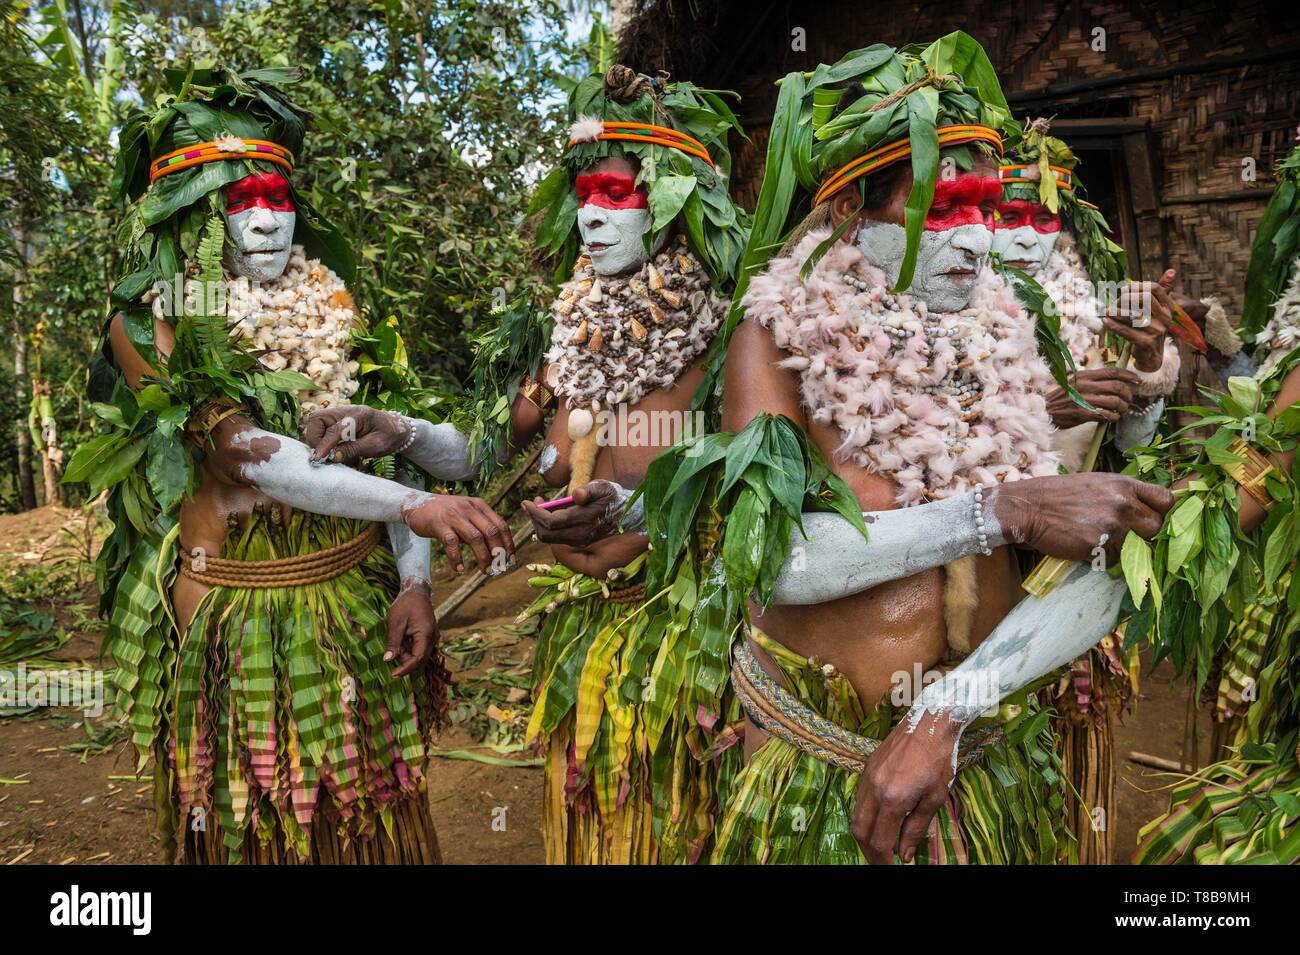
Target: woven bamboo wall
1203	123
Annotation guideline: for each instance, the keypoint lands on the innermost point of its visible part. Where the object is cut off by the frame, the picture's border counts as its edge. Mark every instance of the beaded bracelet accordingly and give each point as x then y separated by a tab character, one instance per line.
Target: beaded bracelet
410	436
979	521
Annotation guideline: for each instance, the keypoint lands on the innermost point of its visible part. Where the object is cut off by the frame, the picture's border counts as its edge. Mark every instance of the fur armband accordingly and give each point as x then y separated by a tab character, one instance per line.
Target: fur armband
1162	381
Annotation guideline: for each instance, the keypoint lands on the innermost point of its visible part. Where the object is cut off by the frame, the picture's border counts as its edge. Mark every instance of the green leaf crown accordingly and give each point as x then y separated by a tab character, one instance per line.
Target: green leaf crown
682	187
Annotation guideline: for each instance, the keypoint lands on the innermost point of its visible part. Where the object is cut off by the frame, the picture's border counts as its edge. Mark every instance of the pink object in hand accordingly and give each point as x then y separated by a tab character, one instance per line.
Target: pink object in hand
558	502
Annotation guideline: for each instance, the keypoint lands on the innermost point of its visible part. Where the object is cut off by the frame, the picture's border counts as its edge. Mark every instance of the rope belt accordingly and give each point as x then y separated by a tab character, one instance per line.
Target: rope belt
314	568
779	713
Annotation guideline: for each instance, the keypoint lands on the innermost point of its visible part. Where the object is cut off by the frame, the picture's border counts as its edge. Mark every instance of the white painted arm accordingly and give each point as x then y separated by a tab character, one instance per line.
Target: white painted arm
834	561
1036	637
411	551
628	520
440	450
278	466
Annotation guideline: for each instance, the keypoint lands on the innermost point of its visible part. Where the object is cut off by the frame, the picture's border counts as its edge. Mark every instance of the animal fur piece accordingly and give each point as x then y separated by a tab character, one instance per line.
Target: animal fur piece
960	599
587	129
872	387
1281	335
1219	333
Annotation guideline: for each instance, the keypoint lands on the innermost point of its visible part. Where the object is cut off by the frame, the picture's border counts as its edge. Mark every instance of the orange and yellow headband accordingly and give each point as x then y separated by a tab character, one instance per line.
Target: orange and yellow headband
891	153
226	149
1020	174
650	133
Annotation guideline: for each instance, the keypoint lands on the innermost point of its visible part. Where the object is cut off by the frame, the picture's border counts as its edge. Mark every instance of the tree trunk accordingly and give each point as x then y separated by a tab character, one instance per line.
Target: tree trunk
26	486
50	452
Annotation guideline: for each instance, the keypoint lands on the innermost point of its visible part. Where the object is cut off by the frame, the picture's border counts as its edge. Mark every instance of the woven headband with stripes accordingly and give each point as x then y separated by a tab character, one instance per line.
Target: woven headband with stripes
1019	174
891	153
650	133
222	150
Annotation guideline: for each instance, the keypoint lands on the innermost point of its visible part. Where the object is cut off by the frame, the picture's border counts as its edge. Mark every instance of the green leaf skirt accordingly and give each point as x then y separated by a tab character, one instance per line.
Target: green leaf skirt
633	703
788	807
277	733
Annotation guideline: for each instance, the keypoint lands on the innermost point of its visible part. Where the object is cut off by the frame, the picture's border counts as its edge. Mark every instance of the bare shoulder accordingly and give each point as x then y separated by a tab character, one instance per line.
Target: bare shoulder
754	382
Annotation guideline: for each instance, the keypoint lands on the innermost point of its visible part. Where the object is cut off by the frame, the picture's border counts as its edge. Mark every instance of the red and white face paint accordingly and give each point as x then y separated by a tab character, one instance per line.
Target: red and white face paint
260	219
613	218
954	245
1026	234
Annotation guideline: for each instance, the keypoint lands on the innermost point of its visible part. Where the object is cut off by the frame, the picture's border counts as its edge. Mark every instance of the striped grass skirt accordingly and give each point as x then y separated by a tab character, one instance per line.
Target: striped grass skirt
277	732
1245	807
638	727
789	807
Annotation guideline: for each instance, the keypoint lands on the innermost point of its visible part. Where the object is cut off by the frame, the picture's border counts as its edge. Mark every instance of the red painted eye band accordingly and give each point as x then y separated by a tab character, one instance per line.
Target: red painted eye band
961	201
266	190
610	190
1017	213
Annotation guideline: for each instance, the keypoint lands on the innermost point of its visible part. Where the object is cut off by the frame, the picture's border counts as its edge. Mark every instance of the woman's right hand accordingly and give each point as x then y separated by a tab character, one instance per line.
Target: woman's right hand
451	520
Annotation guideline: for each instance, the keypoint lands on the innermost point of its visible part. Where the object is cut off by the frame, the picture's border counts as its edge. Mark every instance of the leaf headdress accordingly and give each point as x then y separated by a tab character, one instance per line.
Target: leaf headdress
912	103
677	133
1275	249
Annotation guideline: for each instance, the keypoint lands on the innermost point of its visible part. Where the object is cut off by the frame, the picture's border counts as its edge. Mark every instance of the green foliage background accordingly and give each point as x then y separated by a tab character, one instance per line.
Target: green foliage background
433	121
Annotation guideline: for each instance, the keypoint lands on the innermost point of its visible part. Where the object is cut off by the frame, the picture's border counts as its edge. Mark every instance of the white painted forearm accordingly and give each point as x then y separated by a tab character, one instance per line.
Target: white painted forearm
1036	637
280	469
626	520
410	550
834	561
440	450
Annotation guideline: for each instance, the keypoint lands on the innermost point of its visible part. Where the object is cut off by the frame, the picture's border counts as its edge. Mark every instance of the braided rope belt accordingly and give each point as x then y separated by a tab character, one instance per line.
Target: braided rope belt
779	713
314	568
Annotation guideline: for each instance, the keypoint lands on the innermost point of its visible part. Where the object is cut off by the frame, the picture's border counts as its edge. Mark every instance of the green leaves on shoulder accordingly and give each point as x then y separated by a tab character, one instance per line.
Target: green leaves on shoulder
1047	327
740	494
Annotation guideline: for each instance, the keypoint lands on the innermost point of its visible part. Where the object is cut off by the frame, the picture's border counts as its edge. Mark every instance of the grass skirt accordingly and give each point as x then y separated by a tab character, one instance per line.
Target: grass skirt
1244	808
787	807
277	733
639	727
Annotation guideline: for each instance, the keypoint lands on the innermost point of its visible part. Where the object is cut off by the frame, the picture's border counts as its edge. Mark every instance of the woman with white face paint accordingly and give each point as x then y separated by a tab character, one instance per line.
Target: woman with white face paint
278	663
915	373
631	327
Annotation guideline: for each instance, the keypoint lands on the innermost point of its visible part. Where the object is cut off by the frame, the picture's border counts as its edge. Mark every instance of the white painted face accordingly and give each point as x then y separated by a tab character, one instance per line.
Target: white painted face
614	237
1024	247
1026	234
613	216
947	261
260	220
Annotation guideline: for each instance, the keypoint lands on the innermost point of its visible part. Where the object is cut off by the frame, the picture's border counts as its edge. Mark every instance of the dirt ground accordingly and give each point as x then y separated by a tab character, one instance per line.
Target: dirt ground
62	806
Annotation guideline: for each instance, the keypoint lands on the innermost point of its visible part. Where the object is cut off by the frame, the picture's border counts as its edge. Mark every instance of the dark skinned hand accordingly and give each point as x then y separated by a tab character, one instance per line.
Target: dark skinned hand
1109	390
350	433
412	629
904	784
1141	315
451	520
590	517
1067	515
